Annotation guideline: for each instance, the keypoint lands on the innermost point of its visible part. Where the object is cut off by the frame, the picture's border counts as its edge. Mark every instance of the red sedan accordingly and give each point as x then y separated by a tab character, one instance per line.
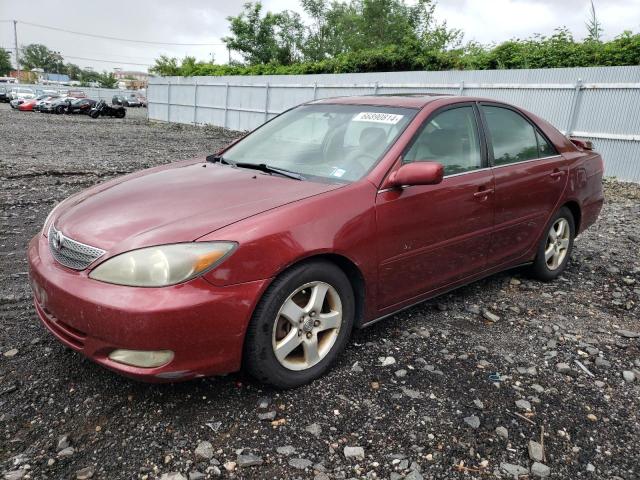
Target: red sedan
331	216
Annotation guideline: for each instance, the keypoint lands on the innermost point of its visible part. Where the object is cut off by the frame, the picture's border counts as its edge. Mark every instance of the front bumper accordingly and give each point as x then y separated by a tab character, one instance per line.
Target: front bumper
202	324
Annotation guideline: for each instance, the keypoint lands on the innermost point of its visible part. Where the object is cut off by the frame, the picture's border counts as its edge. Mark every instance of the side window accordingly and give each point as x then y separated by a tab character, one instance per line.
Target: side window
512	137
450	138
544	147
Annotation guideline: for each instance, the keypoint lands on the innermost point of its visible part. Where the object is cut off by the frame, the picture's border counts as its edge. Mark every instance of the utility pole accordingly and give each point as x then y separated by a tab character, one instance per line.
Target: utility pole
15	44
229	55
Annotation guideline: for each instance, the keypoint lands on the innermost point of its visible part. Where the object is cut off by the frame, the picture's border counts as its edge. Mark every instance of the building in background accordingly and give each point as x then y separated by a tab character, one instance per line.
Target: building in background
131	80
23	76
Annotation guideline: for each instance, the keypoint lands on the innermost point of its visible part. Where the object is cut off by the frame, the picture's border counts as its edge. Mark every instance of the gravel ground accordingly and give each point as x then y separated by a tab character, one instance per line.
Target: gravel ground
480	383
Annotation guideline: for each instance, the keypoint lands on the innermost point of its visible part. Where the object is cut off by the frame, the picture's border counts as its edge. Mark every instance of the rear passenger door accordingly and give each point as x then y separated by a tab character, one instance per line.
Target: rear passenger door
530	177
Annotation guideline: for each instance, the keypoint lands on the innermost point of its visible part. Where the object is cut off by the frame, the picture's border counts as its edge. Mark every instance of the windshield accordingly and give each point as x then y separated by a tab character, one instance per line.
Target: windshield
337	142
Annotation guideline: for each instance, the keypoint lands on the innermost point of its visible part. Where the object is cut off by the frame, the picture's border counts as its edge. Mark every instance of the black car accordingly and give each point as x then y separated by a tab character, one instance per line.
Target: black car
81	105
130	101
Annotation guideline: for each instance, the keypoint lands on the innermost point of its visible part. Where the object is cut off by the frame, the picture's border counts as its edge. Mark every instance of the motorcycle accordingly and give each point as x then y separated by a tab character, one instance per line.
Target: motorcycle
102	109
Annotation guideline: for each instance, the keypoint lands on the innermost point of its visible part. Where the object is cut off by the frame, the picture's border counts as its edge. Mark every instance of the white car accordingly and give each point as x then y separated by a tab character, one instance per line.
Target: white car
19	95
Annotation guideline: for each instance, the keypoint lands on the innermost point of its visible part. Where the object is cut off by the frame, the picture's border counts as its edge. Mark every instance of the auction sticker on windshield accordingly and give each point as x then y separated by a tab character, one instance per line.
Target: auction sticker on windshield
378	117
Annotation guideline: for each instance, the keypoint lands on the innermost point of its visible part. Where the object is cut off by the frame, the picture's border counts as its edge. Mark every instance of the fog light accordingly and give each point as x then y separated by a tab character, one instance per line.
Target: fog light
141	358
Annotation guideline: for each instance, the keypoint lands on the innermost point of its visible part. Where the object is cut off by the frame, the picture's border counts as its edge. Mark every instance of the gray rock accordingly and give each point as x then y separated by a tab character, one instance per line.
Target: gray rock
514	470
15	474
204	451
356	368
473	421
286	450
478	403
563	367
264	403
314	429
354	452
475	309
487	314
502	432
535	451
11	353
523	404
411	393
249	460
591	468
267	416
540	470
628	376
414	475
401	373
622	333
386	361
196	475
321	476
85	473
66	452
63	442
602	363
173	476
538	388
300	463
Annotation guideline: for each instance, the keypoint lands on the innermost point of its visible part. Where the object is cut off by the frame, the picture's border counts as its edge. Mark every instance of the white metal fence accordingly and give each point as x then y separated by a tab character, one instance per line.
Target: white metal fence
601	104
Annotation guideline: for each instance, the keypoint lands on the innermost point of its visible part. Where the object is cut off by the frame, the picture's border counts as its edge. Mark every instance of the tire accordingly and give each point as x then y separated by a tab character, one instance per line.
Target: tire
94	114
290	294
60	109
121	113
547	268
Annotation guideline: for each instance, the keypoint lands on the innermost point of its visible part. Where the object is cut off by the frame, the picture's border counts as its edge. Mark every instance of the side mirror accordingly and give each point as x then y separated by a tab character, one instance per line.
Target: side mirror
417	173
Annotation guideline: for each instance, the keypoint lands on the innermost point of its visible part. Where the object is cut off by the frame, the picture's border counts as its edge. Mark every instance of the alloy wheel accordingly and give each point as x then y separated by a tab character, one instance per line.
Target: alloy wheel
307	326
557	244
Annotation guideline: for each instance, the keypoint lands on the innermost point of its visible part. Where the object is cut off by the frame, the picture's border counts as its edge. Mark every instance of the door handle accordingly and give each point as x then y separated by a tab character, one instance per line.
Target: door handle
556	174
483	193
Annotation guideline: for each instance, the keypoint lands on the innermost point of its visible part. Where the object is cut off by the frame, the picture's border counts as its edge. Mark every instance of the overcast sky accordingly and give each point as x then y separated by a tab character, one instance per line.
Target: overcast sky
204	22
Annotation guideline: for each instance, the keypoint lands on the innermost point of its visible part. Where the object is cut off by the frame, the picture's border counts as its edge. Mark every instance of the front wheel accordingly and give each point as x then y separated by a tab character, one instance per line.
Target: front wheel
94	113
555	247
120	113
301	325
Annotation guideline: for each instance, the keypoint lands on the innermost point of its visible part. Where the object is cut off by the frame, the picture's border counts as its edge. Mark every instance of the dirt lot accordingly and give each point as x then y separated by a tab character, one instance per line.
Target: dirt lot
433	412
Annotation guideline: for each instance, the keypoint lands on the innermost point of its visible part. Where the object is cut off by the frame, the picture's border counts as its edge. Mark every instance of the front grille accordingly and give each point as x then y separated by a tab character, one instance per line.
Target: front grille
70	253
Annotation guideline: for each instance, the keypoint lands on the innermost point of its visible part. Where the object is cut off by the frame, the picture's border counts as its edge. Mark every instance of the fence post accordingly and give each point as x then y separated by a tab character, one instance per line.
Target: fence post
226	103
461	88
169	101
375	88
575	107
315	90
195	101
266	103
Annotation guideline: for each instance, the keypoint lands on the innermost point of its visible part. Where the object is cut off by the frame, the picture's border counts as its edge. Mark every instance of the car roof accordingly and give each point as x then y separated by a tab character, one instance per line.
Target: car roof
406	100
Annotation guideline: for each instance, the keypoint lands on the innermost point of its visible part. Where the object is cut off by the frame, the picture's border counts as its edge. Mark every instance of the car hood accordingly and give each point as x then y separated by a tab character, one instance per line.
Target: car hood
174	203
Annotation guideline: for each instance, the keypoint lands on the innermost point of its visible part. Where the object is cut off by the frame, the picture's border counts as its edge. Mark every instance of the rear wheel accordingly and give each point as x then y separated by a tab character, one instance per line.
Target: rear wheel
300	326
120	113
60	109
555	247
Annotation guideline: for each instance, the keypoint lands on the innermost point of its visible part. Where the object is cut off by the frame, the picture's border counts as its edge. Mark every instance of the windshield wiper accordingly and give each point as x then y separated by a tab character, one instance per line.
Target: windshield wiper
263	167
217	159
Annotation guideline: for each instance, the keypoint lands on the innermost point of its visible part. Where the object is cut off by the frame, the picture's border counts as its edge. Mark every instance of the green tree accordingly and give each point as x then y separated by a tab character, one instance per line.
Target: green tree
73	70
5	62
107	80
166	66
37	55
272	38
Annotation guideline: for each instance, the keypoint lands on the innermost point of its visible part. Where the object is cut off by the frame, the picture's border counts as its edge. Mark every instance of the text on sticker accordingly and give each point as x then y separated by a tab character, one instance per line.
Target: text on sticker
378	117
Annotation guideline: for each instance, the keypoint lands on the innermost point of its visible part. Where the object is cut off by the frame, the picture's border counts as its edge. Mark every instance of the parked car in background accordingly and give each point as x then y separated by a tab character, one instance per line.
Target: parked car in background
81	105
58	105
48	98
126	101
30	105
21	93
76	94
101	109
4	94
331	216
143	100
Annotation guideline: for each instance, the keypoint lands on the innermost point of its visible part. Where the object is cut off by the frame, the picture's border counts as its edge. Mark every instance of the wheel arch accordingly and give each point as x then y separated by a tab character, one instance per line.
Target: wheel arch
574	208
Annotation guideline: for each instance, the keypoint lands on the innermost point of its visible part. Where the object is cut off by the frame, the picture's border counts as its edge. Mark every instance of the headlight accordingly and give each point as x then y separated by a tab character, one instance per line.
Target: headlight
162	265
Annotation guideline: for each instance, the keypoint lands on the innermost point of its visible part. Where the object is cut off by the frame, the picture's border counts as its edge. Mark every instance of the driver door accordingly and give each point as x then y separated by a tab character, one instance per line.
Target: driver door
433	236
